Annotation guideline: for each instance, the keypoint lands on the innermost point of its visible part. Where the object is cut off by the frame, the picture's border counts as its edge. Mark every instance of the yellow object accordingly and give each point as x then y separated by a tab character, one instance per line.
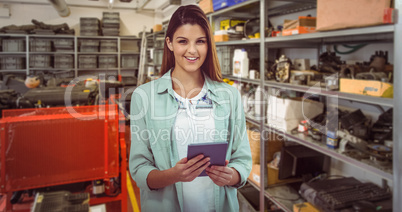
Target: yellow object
131	194
304	207
366	87
225	23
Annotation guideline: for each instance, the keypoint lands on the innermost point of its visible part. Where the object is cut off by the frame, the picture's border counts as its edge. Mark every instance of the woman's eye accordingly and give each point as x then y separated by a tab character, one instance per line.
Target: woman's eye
201	41
182	41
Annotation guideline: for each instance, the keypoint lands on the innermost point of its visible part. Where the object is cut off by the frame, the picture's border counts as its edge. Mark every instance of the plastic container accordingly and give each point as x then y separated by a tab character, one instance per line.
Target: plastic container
13	45
240	63
12	62
40	61
225	57
40	45
129	61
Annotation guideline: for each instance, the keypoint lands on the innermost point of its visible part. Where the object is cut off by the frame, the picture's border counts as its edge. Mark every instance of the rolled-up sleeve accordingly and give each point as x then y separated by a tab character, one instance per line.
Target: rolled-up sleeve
141	160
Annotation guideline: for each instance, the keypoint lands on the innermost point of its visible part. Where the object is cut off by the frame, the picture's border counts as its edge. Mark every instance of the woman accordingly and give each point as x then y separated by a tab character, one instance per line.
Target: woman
189	103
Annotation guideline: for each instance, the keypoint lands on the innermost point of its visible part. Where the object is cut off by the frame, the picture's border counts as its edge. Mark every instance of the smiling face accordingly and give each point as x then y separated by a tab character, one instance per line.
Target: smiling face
189	46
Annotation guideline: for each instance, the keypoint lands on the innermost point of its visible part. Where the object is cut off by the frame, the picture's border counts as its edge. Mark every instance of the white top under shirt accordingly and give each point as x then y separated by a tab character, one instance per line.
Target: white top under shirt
195	124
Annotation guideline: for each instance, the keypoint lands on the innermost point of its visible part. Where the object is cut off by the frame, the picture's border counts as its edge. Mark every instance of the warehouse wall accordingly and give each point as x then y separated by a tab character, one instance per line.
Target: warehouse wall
131	22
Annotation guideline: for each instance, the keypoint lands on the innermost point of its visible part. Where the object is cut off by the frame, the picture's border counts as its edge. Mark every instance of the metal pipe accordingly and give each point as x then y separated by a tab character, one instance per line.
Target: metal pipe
61	7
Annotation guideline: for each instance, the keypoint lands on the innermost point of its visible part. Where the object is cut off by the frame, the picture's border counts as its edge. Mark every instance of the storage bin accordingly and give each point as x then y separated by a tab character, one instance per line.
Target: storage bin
63	61
89	32
13	45
40	61
107	61
108	46
87	42
87	61
129	61
130	45
12	63
89	21
40	45
110	15
63	45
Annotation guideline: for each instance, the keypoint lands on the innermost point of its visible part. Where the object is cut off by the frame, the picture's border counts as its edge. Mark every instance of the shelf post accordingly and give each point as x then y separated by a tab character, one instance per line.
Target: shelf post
262	117
397	110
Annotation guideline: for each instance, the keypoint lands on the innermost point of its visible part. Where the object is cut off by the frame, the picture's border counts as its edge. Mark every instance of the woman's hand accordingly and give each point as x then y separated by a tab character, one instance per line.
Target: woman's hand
223	175
187	170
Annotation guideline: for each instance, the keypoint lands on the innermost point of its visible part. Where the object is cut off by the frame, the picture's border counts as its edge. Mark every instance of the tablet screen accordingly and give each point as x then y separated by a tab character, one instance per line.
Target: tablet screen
216	151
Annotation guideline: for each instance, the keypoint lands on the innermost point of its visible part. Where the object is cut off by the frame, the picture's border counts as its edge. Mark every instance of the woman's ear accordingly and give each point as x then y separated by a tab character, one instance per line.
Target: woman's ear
169	43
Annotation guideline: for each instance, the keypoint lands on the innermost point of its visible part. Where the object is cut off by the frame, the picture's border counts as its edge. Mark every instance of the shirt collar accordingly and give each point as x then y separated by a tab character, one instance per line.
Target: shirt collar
165	84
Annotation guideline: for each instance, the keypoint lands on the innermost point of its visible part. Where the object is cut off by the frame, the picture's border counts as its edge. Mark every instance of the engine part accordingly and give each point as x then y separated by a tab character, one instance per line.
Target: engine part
282	69
56	96
382	128
329	62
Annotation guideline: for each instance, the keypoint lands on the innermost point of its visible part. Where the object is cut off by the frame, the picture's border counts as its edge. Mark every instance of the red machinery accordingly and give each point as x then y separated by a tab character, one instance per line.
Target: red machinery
58	146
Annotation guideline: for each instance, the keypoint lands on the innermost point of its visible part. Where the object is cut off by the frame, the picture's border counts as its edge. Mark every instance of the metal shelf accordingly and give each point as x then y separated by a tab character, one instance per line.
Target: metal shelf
52	36
334	94
283	196
52	69
12	53
97	69
251	81
128	52
13	71
365	34
97	37
309	142
97	53
239	42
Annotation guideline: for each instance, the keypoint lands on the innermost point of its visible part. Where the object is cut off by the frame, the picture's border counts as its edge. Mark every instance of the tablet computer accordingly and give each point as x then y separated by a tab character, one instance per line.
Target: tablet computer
216	151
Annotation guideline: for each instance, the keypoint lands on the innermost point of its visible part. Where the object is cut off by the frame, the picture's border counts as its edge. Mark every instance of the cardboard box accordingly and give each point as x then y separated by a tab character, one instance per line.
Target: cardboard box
300	26
272	145
341	14
255	176
304	207
367	87
286	114
157	27
206	6
221	38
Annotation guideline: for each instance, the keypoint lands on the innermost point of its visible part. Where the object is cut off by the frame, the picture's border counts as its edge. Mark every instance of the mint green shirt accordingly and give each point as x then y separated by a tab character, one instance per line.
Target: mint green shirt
153	111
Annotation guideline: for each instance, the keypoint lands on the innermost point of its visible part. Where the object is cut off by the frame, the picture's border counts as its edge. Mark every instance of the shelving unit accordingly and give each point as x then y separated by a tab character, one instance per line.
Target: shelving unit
155	43
127	47
374	34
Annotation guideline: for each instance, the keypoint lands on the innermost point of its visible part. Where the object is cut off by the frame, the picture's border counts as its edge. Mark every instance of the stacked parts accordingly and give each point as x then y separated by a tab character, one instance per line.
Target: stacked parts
89	26
111	24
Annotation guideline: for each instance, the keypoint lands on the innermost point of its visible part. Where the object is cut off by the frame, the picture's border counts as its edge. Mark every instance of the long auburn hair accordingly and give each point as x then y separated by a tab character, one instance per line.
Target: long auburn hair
192	14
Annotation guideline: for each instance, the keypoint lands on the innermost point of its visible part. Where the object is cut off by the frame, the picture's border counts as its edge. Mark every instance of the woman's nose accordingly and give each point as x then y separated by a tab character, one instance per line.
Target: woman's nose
192	49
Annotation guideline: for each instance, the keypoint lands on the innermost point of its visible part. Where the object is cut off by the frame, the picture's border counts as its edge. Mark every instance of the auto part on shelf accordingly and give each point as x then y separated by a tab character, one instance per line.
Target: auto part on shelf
282	69
306	77
56	96
356	123
11	82
382	129
329	62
